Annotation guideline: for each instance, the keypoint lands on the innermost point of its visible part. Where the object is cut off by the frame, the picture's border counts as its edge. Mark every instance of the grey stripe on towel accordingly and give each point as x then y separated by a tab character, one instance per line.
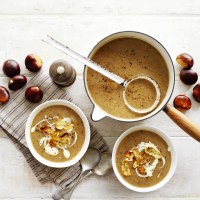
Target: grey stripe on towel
13	118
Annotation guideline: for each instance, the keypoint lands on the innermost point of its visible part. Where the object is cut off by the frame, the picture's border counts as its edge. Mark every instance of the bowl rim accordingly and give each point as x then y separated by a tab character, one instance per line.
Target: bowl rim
84	146
172	169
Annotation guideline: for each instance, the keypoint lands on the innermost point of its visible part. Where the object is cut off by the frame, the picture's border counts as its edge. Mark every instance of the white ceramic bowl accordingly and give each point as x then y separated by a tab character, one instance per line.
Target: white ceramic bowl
173	162
85	144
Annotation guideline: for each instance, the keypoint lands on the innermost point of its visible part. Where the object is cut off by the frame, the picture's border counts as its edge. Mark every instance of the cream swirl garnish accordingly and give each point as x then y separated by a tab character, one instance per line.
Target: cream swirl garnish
50	150
145	158
59	134
46	119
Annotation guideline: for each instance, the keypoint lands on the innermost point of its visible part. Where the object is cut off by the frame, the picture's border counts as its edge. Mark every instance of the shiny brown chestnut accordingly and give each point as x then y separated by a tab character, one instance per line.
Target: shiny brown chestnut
11	68
34	94
183	102
33	62
17	82
4	95
185	60
188	77
196	92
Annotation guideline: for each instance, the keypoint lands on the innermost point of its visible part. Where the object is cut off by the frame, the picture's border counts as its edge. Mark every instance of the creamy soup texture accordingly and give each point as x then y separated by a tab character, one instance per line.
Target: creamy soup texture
57	133
143	158
128	58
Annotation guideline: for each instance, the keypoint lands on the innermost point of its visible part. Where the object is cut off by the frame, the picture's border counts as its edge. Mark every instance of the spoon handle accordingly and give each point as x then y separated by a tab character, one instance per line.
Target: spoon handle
68	195
61	193
66	192
65	49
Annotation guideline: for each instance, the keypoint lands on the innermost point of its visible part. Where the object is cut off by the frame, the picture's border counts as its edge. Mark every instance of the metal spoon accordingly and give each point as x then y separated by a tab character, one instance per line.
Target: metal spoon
104	166
91	158
124	83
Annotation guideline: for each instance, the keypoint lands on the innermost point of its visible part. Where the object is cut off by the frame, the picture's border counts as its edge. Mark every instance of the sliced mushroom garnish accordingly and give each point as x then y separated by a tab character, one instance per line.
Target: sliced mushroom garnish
125	168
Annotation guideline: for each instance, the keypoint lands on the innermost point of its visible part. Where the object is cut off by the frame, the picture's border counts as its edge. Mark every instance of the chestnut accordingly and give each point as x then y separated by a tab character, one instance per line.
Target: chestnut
11	68
196	92
185	60
188	77
34	94
17	82
33	62
4	95
183	102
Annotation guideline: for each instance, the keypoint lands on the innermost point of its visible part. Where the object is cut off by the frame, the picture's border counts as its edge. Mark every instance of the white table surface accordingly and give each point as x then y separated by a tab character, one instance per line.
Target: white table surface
81	24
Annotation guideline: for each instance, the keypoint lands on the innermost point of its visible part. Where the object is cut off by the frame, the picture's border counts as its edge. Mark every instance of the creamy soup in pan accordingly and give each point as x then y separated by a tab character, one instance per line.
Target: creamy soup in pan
128	58
57	133
143	158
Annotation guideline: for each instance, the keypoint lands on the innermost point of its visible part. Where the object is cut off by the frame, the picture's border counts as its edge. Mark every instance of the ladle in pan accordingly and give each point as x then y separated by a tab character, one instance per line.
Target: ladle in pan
124	83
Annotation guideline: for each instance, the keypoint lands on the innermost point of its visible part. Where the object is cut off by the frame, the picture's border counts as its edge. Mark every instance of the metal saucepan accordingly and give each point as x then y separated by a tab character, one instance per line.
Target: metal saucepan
179	118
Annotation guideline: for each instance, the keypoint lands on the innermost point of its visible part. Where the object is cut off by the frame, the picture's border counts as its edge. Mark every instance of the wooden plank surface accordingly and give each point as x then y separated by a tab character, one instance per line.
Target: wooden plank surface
80	25
23	34
111	7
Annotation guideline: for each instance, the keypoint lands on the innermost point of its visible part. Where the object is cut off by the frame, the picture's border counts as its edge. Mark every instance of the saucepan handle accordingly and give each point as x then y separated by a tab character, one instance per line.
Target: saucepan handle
97	114
183	122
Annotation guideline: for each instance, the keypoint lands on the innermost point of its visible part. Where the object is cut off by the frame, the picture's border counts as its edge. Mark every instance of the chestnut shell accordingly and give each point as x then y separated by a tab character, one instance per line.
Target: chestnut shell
185	60
11	68
34	94
4	95
33	62
183	102
17	82
196	92
189	76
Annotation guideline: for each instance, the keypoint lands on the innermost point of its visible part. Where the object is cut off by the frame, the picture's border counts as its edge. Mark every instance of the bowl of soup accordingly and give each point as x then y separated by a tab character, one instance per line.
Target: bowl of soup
144	159
57	133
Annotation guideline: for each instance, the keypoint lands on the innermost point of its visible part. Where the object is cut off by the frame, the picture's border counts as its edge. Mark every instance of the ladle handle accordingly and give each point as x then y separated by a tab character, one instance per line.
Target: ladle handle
183	122
65	49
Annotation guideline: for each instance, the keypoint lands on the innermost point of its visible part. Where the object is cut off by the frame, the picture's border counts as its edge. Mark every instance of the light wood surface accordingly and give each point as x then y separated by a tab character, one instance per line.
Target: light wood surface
81	24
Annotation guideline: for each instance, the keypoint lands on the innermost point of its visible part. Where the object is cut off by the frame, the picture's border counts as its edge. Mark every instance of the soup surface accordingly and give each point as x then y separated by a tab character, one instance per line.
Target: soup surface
128	58
143	158
57	133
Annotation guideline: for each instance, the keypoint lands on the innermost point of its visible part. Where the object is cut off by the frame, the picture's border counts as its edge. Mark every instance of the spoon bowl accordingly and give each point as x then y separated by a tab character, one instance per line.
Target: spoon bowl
89	161
104	166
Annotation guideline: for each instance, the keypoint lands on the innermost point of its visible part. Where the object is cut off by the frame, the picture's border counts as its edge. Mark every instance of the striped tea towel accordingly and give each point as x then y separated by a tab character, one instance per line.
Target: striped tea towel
13	116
